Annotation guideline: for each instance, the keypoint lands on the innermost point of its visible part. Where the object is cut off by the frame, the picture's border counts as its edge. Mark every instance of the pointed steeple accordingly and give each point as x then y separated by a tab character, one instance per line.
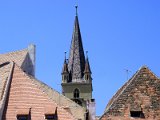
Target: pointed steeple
76	63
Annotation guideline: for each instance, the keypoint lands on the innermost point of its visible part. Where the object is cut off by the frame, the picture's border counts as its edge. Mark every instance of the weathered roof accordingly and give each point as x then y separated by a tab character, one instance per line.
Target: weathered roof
142	81
6	65
76	63
20	78
62	102
58	98
18	56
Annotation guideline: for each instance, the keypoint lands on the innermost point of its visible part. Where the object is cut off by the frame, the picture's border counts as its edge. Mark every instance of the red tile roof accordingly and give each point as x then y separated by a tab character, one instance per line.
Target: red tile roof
22	95
141	92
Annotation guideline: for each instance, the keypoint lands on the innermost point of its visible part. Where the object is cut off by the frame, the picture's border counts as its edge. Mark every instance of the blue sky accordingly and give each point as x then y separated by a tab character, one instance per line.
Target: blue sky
119	35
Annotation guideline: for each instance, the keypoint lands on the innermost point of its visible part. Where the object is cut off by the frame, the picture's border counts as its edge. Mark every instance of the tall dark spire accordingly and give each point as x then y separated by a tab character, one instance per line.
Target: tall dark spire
76	63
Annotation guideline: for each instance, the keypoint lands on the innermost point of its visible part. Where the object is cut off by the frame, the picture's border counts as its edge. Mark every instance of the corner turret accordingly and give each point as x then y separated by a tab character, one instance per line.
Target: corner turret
87	70
65	73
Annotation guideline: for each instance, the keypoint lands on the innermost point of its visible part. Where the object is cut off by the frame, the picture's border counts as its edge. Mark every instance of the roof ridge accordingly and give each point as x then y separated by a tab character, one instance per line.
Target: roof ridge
145	66
6	90
5	82
17	56
25	49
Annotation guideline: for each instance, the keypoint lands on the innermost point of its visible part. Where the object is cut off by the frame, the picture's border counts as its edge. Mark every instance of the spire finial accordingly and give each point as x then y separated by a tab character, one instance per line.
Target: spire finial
87	54
65	55
76	10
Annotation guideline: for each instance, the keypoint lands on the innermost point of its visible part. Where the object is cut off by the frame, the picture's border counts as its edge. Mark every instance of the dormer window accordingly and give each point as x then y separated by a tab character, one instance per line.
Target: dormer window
137	114
50	117
22	117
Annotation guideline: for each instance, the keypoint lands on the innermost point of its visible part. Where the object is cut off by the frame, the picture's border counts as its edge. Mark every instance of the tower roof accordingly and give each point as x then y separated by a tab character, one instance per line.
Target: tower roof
87	66
76	62
65	66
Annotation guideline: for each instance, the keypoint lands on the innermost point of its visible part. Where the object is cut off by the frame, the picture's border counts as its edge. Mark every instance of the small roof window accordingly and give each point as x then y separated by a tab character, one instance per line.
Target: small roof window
22	117
137	114
50	117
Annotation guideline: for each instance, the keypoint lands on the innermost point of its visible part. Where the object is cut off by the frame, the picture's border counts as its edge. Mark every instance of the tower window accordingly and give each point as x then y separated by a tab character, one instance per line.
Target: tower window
137	114
87	77
76	93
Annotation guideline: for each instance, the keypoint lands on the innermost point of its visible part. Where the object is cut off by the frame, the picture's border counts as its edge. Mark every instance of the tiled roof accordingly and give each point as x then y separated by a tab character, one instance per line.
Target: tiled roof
17	56
5	66
73	108
63	102
143	84
25	92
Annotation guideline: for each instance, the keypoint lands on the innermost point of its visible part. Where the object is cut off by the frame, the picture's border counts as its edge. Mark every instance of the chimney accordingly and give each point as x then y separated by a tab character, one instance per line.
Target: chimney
32	55
92	109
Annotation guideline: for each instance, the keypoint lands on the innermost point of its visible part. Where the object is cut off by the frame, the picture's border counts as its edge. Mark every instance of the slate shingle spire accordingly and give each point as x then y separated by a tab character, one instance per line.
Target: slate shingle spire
76	62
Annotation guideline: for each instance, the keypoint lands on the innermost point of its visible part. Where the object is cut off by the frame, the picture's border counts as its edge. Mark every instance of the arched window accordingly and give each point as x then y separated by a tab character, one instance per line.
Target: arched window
76	93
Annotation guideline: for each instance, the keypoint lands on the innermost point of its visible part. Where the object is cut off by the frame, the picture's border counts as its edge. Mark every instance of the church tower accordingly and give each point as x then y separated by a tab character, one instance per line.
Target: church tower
76	72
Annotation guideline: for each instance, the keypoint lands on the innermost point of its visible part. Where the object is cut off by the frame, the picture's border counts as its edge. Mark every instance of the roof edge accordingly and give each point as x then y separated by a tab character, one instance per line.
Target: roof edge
125	86
25	49
6	91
